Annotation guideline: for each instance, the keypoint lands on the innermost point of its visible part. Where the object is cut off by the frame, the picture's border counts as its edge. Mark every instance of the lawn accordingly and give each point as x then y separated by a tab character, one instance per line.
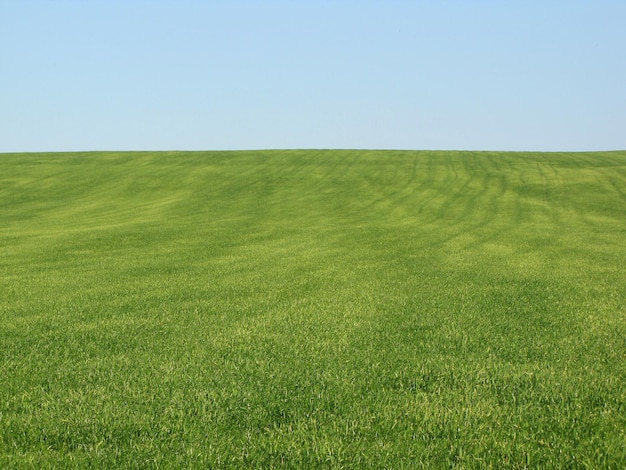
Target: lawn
313	308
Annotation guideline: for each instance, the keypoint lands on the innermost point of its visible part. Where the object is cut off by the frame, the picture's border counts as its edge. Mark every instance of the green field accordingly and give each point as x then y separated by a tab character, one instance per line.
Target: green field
355	309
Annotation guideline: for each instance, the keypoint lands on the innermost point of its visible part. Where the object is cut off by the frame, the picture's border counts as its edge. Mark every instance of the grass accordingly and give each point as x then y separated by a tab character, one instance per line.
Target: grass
338	309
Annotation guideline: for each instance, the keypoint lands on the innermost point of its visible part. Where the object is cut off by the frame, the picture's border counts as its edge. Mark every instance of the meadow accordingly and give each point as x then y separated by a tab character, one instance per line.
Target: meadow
313	308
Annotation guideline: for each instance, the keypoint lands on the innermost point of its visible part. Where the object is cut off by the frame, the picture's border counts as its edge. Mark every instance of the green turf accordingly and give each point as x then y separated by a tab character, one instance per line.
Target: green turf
374	309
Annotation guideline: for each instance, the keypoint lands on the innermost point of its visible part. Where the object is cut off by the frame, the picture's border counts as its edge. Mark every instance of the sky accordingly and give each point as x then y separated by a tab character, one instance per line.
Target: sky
78	75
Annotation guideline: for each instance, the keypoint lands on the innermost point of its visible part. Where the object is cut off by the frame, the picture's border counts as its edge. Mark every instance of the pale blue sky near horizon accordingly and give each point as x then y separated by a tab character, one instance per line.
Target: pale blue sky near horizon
241	74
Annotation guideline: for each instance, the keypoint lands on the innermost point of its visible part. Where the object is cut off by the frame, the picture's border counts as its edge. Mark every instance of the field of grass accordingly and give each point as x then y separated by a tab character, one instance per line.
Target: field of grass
378	309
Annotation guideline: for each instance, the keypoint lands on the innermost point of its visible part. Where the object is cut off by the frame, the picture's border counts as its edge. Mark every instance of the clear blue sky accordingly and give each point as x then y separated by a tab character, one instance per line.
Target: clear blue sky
182	74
